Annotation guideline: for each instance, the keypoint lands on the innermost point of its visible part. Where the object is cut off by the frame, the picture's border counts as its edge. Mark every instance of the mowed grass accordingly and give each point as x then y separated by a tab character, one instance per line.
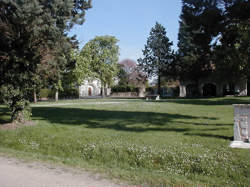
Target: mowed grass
183	142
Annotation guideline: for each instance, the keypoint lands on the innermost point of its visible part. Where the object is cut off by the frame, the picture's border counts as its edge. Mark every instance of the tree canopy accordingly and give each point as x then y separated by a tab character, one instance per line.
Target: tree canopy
102	54
31	32
129	74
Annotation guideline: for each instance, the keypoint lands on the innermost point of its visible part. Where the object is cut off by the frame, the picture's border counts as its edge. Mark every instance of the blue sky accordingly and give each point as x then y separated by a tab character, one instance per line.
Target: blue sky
130	22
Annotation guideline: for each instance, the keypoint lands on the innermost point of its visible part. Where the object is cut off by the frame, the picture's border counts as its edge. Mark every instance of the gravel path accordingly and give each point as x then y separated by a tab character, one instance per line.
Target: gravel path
14	173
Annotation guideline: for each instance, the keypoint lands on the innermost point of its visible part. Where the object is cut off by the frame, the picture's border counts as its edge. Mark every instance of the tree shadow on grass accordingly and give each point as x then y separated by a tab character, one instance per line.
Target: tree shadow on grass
211	136
4	116
120	120
2	121
205	101
127	121
206	124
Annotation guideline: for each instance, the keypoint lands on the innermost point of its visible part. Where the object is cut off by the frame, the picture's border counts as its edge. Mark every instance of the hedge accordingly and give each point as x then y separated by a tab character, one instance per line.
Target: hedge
69	93
119	88
46	93
65	94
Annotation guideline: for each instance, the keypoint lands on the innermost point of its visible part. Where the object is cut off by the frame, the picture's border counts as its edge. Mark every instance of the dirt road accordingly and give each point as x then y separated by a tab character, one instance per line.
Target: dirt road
14	173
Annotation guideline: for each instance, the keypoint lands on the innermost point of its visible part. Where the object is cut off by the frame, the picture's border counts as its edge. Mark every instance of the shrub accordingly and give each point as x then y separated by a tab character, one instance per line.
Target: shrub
64	94
69	93
45	93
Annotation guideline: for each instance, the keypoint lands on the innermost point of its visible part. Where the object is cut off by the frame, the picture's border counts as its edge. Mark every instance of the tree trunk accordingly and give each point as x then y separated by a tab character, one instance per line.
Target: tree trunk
56	96
199	90
16	117
79	94
35	98
20	115
103	91
159	85
102	86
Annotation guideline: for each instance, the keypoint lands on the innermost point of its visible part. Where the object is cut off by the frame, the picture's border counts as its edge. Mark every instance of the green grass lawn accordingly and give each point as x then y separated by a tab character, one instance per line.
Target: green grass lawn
173	141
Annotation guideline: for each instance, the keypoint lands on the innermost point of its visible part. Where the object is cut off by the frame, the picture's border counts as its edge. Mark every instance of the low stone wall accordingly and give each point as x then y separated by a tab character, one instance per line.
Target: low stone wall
44	99
124	94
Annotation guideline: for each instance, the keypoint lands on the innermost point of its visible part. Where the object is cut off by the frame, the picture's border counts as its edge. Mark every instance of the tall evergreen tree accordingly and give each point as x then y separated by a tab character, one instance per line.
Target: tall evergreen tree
200	24
157	54
233	52
26	29
214	40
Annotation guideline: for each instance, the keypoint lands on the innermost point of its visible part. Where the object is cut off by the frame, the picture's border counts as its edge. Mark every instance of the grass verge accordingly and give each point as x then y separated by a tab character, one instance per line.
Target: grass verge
172	142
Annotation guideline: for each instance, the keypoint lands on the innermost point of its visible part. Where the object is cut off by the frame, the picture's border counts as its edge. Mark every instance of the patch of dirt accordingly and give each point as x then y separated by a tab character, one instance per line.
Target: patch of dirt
14	172
17	125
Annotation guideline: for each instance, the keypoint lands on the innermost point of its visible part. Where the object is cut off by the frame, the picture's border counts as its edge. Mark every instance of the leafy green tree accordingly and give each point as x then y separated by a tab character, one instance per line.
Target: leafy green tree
102	53
157	54
26	29
82	68
55	67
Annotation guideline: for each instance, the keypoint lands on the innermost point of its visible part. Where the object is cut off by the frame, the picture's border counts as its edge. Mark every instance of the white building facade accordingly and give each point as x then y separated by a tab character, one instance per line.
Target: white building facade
92	88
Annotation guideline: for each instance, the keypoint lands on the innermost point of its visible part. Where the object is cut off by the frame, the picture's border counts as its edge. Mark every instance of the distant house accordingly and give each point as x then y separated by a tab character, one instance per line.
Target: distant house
92	88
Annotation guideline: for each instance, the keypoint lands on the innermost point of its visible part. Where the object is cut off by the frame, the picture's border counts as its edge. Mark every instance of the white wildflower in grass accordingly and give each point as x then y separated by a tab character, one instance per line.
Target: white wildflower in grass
22	141
34	145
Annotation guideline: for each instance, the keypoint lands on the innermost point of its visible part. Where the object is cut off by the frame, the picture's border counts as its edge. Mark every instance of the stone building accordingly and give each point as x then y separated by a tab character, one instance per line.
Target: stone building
210	87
